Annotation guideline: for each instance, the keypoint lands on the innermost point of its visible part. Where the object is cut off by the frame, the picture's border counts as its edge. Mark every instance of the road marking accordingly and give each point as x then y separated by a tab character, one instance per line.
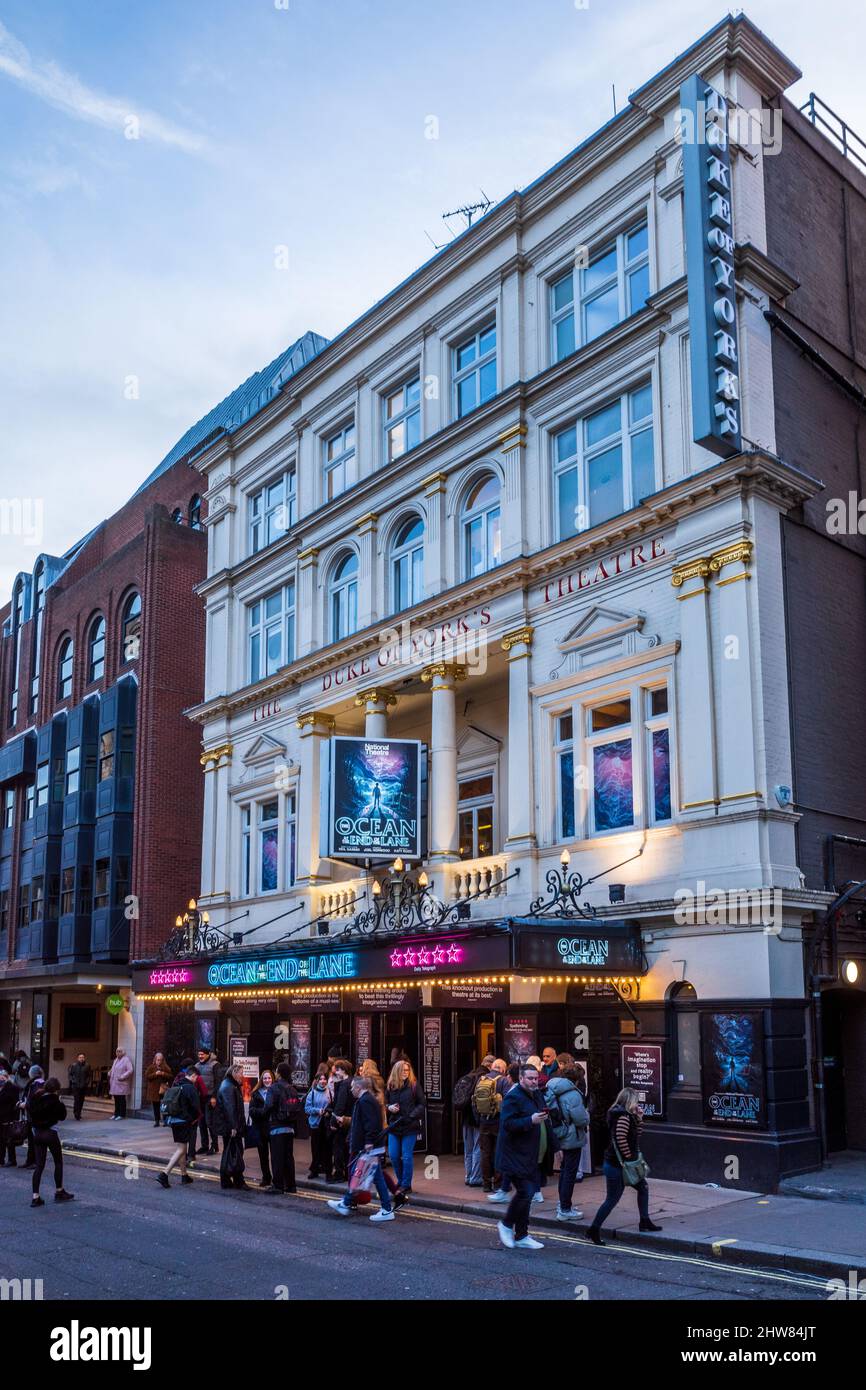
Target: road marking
807	1281
717	1244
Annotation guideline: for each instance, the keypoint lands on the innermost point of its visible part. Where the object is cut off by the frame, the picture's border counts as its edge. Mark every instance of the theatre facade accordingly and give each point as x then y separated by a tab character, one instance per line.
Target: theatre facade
497	739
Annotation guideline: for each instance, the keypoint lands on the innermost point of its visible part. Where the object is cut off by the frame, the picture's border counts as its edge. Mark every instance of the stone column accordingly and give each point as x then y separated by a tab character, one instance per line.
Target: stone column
375	704
442	679
208	838
314	728
367	609
736	712
308	580
435	557
222	761
697	753
517	646
512	517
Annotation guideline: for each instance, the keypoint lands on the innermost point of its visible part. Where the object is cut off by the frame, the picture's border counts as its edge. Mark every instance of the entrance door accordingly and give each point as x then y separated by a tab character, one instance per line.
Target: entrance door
594	1029
844	1026
472	1037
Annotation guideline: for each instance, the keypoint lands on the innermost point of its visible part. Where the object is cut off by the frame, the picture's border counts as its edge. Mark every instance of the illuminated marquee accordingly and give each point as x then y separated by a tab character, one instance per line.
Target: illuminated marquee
174	975
583	950
286	970
427	957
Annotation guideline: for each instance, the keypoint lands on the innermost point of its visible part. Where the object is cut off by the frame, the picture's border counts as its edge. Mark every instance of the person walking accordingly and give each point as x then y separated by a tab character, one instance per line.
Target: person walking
157	1079
258	1125
46	1110
623	1163
283	1109
316	1106
180	1105
231	1123
486	1105
201	1115
366	1137
517	1157
341	1117
80	1075
120	1083
404	1107
208	1068
568	1120
461	1099
9	1095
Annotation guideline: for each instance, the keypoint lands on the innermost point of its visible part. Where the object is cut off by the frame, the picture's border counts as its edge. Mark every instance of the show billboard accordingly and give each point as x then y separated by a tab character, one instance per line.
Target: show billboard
375	799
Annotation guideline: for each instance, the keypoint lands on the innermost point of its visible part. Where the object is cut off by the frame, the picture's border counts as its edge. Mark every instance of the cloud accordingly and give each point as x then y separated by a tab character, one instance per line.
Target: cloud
64	90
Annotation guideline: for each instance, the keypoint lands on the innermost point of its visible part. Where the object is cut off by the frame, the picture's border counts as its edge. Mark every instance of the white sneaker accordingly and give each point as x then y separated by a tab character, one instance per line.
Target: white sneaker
506	1235
572	1215
499	1196
537	1197
528	1243
339	1206
383	1216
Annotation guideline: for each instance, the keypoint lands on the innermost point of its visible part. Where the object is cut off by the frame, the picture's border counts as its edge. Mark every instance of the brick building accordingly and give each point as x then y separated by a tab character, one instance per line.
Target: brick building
100	782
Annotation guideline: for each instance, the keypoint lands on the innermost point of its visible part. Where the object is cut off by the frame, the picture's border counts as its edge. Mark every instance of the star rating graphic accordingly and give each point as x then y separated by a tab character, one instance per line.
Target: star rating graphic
396	959
438	955
455	953
422	957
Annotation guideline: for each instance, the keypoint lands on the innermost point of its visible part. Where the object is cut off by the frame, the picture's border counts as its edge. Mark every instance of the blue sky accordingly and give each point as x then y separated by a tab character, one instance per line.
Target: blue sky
138	282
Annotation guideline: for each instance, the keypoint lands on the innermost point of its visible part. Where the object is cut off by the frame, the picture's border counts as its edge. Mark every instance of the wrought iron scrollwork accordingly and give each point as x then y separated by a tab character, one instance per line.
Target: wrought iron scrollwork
193	935
402	902
565	890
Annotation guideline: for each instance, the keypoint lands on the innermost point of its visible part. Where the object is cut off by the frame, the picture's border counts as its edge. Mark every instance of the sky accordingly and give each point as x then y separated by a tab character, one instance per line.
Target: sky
186	186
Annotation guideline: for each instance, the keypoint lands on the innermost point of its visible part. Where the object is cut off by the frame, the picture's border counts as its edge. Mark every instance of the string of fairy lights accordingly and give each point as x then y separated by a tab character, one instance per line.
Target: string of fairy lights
312	992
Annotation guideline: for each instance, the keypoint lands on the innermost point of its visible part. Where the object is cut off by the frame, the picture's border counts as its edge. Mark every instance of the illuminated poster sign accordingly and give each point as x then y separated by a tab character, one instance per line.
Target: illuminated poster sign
732	1070
713	339
642	1071
609	947
335	965
375	809
444	956
590	950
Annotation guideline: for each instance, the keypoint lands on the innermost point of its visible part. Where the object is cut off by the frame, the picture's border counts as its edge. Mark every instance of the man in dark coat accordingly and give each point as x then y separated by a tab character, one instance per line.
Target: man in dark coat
80	1074
517	1157
341	1117
231	1123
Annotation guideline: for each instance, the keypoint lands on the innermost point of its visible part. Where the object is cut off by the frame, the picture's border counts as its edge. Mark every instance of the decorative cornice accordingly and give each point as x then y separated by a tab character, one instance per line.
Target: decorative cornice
435	483
514	438
312	718
520	635
738	553
446	671
375	697
367	523
212	757
690	569
308	557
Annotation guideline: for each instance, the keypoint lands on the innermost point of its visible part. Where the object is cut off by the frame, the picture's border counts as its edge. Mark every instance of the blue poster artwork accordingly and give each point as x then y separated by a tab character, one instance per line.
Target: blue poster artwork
376	801
662	774
270	850
732	1066
612	781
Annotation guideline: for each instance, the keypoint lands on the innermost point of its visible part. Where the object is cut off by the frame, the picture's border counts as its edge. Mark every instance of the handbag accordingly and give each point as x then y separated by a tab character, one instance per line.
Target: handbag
634	1170
363	1178
232	1162
18	1132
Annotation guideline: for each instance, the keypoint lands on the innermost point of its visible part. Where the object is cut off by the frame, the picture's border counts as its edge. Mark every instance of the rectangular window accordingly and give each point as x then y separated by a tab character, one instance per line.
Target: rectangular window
628	754
613	285
341	465
106	755
73	765
564	757
29	800
603	464
475	816
402	419
85	890
658	753
100	883
24	905
473	370
53	897
42	785
37	899
121	880
291	838
8	808
57	771
67	895
261	848
271	632
4	909
272	511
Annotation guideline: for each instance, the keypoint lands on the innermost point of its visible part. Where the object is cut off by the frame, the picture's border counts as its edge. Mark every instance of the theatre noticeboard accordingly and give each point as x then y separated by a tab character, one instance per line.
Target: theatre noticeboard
732	1070
374	801
642	1071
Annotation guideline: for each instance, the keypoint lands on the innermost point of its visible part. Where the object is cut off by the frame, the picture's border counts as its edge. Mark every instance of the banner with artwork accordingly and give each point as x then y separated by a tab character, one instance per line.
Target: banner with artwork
375	800
732	1069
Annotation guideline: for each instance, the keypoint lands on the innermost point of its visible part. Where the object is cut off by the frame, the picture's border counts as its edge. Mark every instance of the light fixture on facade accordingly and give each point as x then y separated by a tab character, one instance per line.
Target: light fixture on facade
850	972
616	892
565	859
398	865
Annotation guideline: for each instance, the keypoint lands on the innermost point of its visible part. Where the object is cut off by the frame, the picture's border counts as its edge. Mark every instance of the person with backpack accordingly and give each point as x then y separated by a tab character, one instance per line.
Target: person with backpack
404	1107
486	1105
282	1111
212	1074
35	1082
366	1137
180	1106
8	1116
340	1117
461	1099
624	1163
80	1074
46	1110
316	1104
568	1121
231	1122
517	1157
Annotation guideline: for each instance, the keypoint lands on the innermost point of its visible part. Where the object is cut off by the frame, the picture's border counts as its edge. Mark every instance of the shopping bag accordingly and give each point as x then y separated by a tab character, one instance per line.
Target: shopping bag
363	1178
232	1161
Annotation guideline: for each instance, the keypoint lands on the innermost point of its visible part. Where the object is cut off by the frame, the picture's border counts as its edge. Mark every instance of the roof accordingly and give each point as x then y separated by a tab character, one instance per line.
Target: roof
241	403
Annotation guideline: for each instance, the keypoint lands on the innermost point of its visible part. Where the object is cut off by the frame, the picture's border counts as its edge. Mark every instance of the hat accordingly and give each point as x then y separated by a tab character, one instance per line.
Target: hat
35	1072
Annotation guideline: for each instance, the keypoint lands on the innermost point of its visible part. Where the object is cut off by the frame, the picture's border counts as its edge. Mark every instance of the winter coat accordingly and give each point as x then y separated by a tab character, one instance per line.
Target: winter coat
230	1116
518	1144
21	1072
573	1110
342	1105
45	1109
209	1072
282	1096
156	1079
316	1104
120	1077
80	1074
9	1098
410	1099
366	1124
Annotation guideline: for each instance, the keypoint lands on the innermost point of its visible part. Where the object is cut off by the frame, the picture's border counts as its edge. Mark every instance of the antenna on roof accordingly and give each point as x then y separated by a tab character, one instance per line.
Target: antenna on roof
613	89
469	210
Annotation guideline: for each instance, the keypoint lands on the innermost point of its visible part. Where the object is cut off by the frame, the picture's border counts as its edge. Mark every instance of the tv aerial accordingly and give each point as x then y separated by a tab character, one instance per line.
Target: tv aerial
469	212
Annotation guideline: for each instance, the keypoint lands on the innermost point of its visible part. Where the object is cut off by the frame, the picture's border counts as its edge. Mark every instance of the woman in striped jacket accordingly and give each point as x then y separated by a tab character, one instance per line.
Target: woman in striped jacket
625	1122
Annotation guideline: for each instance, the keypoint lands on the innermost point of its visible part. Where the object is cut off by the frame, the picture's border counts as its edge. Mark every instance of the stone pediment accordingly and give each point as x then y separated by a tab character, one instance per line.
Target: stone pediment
600	626
474	743
264	749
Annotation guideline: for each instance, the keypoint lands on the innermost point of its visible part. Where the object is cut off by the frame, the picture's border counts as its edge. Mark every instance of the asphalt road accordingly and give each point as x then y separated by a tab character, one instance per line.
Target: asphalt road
125	1238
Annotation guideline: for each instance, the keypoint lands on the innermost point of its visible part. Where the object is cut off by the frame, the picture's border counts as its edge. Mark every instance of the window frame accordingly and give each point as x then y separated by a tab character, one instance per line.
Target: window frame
92	641
581	298
471	805
344	462
285	620
475	367
468	515
340	590
405	551
585	454
253	828
65	653
402	417
260	512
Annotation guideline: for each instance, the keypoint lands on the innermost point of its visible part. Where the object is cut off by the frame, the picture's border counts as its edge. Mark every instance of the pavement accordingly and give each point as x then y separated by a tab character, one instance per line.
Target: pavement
842	1179
824	1239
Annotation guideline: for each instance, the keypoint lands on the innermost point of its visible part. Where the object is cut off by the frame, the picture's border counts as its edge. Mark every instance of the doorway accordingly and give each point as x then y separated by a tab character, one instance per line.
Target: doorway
472	1037
844	1030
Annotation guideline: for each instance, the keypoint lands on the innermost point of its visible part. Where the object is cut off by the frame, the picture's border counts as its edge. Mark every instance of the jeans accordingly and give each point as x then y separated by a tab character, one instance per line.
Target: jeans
401	1148
120	1106
265	1161
569	1164
487	1148
380	1185
615	1189
78	1101
472	1155
283	1161
45	1142
516	1217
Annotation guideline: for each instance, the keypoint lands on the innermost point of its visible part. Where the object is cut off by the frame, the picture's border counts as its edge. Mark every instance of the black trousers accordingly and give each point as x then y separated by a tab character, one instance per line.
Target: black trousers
78	1096
265	1161
517	1215
45	1142
120	1106
157	1113
340	1153
320	1150
487	1145
283	1161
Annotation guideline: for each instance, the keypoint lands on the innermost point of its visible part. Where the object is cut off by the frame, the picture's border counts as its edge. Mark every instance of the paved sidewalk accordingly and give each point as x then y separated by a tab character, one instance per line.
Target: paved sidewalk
819	1238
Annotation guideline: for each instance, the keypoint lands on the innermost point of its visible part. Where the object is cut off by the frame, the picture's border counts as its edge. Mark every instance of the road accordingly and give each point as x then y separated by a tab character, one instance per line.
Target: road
124	1237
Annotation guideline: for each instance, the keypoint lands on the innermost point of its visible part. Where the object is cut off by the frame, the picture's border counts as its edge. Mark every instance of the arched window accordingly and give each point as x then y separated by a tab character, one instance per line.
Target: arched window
65	657
194	512
96	650
130	628
36	653
407	564
344	597
177	516
482	537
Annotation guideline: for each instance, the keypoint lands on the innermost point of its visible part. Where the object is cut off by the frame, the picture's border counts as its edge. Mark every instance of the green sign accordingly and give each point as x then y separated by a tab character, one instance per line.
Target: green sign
114	1004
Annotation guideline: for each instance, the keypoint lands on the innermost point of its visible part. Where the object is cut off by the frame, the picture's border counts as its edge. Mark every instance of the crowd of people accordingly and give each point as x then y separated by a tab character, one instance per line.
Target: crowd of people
364	1128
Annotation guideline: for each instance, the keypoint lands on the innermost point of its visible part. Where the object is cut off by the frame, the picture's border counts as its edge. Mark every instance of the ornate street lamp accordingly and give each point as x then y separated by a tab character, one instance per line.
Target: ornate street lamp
565	890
